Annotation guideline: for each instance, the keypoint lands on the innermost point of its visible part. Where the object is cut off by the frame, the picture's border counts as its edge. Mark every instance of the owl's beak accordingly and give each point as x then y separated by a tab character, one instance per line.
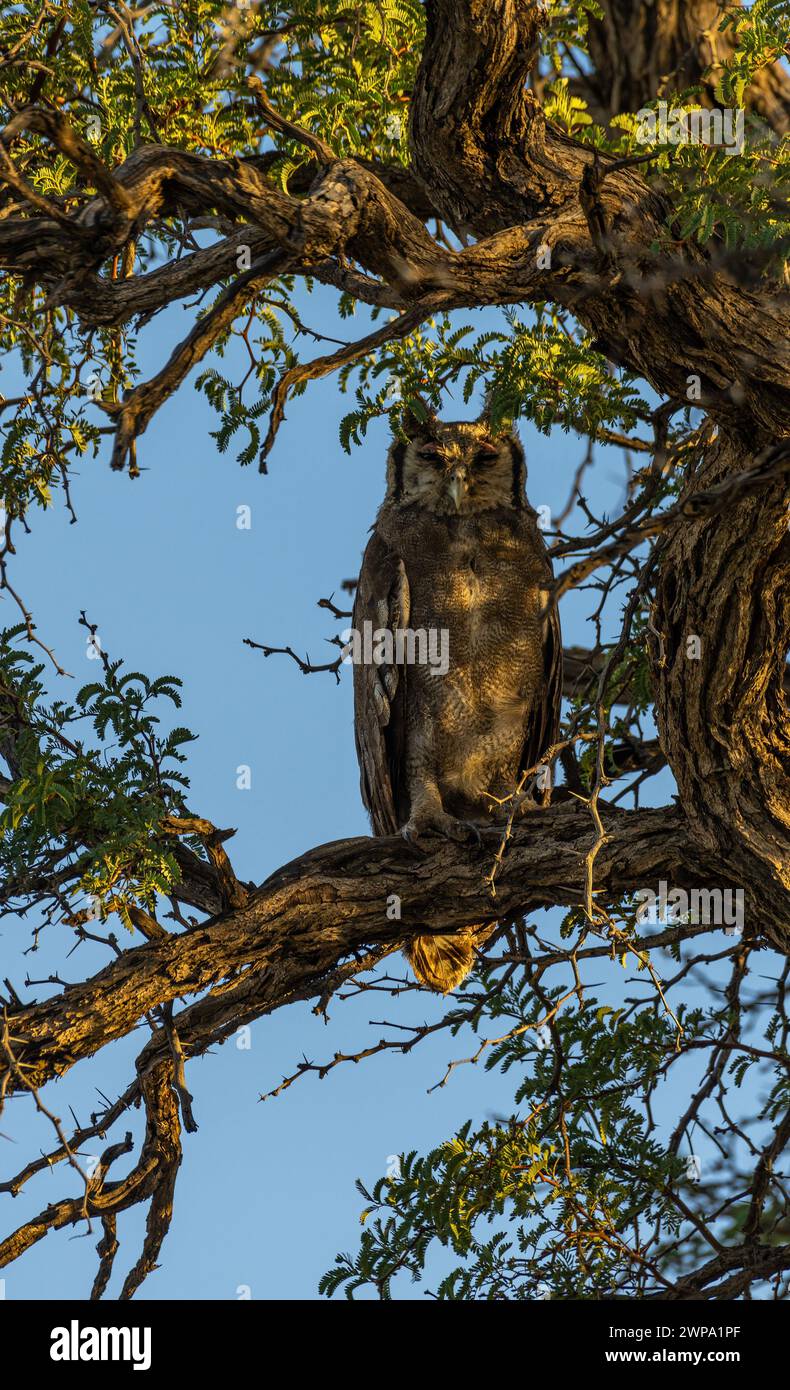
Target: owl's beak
456	488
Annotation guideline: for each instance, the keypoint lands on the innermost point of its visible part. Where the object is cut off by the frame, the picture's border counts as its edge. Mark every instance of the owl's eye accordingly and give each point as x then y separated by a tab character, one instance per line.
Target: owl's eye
431	453
486	454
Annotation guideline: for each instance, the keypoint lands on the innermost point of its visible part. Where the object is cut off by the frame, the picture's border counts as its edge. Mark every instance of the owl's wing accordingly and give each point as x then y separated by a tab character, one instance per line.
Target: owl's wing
382	601
544	720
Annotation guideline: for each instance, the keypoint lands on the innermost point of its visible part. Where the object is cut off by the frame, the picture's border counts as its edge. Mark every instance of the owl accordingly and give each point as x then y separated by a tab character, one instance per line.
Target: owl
458	672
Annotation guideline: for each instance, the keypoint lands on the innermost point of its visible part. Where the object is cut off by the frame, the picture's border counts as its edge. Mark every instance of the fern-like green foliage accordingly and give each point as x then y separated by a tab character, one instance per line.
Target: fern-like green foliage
540	371
763	36
565	30
574	1195
93	781
736	200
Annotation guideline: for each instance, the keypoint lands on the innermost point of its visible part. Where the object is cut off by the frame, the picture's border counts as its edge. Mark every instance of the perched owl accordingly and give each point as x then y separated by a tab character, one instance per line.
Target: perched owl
448	716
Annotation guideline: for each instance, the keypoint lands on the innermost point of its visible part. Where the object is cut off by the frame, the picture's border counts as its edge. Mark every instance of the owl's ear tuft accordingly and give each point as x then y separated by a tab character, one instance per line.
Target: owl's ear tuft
418	420
492	418
484	418
519	469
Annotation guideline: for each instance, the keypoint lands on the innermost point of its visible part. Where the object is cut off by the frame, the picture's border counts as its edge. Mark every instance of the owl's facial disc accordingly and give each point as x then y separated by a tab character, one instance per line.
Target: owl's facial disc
458	469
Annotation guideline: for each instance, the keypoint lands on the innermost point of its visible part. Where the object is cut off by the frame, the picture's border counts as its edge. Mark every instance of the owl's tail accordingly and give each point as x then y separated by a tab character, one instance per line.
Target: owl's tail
442	962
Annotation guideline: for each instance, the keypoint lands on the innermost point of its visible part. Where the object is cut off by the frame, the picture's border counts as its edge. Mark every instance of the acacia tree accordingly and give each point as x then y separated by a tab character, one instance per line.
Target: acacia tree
422	162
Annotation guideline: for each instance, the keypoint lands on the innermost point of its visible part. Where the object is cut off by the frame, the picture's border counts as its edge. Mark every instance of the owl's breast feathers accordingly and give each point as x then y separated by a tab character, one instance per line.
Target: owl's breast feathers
480	584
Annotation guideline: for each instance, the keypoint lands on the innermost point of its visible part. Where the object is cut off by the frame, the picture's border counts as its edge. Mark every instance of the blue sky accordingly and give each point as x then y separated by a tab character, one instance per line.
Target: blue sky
265	1196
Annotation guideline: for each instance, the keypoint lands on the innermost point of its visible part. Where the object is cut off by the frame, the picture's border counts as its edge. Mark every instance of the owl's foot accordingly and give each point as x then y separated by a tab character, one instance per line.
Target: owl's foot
438	822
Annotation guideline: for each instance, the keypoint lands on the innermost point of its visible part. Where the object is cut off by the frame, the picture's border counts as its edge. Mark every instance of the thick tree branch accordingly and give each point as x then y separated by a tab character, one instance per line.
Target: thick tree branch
492	167
315	912
483	146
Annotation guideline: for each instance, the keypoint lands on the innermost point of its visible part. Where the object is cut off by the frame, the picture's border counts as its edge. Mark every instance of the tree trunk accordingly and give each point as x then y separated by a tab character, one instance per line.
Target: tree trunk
721	702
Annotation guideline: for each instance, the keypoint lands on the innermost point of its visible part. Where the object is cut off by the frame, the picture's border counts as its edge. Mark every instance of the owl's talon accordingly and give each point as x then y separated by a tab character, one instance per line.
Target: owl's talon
473	831
411	834
440	823
464	832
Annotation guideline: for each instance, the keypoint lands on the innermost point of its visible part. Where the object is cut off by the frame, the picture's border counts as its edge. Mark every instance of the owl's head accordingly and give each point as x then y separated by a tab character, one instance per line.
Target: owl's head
456	468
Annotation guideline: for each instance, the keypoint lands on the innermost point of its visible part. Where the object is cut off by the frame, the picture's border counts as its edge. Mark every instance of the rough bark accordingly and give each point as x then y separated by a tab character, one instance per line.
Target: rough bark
724	719
483	147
